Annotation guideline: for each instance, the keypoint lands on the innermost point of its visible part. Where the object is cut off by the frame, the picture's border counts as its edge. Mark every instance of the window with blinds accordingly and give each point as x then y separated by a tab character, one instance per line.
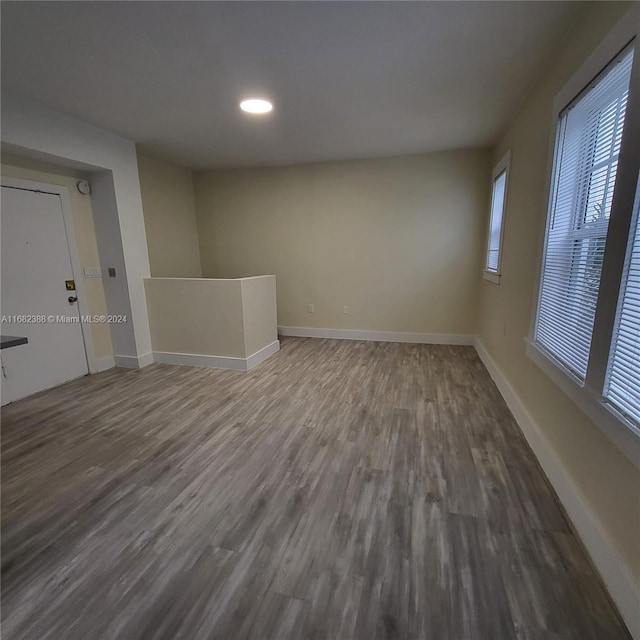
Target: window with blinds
588	137
622	388
495	224
500	177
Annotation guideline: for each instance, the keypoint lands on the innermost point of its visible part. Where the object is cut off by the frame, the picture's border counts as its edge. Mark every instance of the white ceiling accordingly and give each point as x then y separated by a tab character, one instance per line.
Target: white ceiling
347	79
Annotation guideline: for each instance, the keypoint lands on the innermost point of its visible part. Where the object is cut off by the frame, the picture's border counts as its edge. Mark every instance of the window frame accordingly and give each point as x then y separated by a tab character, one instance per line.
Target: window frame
588	394
570	239
503	166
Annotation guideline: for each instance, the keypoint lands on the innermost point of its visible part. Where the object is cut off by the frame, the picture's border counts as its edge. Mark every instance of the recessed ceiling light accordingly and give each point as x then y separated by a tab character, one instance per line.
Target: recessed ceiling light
256	105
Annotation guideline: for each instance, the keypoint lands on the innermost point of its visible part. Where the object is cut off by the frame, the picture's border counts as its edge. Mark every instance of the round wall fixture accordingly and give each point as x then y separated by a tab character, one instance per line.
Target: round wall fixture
84	187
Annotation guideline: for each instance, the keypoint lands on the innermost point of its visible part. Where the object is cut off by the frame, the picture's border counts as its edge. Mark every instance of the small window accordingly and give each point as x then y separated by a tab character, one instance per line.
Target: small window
498	201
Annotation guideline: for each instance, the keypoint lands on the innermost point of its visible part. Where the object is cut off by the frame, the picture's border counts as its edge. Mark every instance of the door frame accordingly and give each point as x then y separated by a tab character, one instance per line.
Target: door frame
76	266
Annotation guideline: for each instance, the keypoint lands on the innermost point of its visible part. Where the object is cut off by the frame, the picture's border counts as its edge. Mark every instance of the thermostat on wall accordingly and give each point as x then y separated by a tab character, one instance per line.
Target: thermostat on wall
84	187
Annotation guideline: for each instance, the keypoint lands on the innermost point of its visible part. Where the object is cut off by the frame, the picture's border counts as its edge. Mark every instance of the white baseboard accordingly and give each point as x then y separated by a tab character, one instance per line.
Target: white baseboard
145	360
377	336
129	362
102	364
617	578
133	362
262	354
198	360
217	362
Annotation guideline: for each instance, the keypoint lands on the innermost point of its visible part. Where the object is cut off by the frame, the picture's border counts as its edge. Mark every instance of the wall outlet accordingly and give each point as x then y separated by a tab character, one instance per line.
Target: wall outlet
310	308
345	309
92	272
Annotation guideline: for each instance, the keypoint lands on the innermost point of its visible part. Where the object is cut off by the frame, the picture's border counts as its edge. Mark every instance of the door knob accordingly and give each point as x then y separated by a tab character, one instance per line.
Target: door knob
72	299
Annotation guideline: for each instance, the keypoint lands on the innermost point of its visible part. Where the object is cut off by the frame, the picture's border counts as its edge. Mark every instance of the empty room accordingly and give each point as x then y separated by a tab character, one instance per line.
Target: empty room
320	320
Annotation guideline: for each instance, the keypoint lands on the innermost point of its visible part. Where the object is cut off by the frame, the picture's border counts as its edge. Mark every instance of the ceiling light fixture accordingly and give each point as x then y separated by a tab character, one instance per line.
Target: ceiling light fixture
256	105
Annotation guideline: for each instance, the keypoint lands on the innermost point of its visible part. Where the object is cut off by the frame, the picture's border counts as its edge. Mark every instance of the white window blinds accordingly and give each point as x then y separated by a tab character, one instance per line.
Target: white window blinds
622	387
584	173
495	228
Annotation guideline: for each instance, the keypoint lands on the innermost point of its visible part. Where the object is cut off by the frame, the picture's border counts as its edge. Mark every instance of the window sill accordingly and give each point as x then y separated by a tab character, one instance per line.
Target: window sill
624	435
491	277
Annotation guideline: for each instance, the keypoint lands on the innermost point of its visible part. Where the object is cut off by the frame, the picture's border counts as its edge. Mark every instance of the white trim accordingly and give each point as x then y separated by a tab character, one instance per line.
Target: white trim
145	360
217	362
134	362
76	266
377	336
198	360
262	354
104	363
617	578
491	277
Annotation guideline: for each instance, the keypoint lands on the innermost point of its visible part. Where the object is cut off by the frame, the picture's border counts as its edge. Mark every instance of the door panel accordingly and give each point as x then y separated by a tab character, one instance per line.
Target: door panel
35	266
5	397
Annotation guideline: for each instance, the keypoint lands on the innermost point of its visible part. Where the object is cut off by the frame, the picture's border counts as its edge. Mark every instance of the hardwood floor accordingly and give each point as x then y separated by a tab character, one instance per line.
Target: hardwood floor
339	490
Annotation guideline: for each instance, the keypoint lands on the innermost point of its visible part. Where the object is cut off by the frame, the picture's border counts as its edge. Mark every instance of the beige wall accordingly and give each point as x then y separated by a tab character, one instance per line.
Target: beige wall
229	318
608	482
191	315
259	313
87	248
397	240
169	219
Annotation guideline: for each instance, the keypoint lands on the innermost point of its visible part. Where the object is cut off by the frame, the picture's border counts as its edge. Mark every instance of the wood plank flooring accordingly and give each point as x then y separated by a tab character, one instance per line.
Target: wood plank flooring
340	490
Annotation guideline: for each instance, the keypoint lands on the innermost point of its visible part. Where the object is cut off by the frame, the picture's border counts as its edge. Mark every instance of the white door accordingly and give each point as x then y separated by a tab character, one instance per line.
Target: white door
35	266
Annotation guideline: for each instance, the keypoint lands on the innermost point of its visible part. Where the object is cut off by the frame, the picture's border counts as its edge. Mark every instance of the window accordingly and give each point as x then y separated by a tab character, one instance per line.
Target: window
586	330
622	387
498	201
589	134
